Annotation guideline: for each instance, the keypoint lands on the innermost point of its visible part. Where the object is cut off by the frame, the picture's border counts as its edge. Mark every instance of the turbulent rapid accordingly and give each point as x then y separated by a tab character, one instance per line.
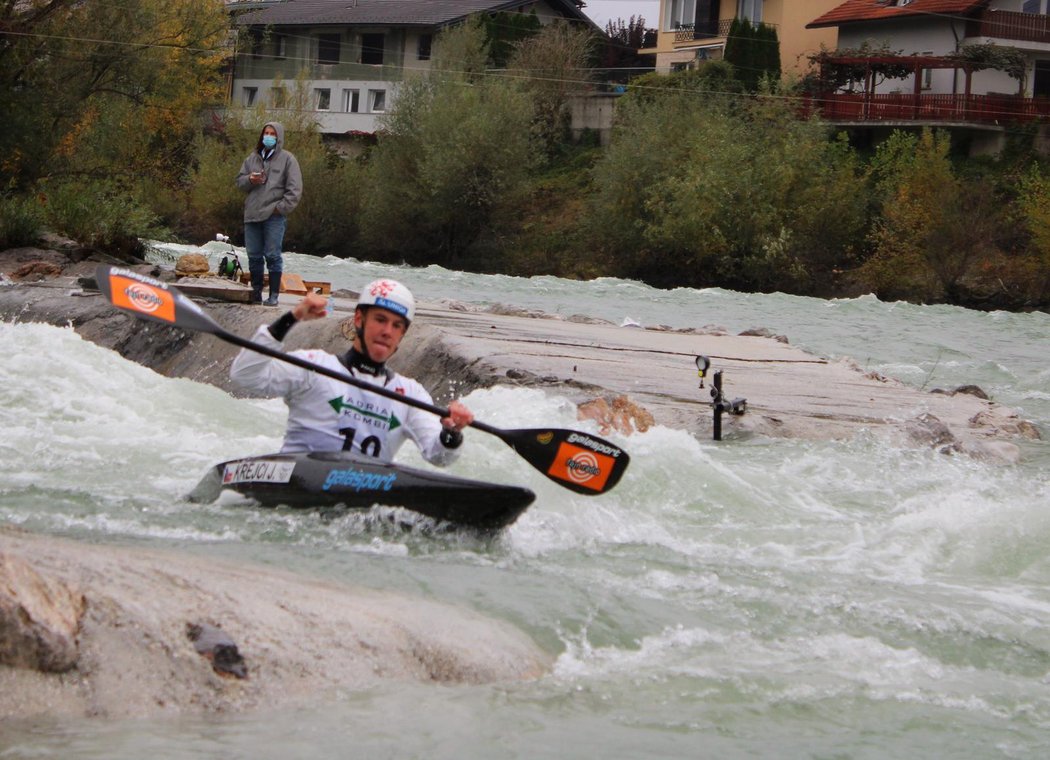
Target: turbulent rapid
736	599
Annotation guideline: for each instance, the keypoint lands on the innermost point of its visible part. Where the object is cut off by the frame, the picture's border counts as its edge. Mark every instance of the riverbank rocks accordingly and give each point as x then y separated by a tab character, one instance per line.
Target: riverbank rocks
214	645
193	265
30	264
927	430
618	414
34	271
39	618
305	639
764	332
1011	424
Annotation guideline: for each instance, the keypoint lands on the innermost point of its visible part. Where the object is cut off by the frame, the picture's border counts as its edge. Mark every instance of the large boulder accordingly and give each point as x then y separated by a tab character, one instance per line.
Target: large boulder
39	618
24	264
192	265
162	632
34	271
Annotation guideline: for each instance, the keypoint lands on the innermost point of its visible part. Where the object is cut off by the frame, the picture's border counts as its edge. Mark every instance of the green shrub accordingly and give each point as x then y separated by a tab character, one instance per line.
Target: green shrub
99	213
21	219
215	202
698	192
454	162
326	220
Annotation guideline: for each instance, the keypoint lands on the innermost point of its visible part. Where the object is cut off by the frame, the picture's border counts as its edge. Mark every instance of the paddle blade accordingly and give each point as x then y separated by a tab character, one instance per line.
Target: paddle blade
148	298
580	462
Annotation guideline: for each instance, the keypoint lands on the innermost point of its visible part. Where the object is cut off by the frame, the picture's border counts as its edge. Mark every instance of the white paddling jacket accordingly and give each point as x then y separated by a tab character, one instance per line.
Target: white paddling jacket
327	415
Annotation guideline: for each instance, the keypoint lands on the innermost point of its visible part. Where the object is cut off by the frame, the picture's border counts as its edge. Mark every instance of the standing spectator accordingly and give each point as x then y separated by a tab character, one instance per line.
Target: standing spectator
271	177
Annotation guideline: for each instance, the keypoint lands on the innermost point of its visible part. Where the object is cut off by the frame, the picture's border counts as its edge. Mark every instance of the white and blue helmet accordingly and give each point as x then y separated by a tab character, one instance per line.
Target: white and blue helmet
390	295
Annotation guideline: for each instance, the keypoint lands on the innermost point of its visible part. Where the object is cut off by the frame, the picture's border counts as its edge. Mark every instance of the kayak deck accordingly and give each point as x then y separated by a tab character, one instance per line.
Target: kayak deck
331	479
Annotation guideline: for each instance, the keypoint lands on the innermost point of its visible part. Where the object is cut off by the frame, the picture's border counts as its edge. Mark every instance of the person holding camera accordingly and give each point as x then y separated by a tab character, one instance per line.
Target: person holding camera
271	177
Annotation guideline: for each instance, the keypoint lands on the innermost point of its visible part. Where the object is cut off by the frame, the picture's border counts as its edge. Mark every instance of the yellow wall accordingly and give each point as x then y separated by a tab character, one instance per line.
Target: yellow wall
797	42
790	18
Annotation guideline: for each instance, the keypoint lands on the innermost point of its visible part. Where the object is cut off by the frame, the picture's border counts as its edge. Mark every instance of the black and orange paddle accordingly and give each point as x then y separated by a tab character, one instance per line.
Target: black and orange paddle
581	462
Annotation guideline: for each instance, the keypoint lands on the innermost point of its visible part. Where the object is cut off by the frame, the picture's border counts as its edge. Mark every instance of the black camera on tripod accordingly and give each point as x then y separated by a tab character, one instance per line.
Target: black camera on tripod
719	405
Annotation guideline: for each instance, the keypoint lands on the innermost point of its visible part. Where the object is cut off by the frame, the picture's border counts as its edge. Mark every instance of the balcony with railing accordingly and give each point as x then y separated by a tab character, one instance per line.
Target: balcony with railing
1011	25
905	107
706	31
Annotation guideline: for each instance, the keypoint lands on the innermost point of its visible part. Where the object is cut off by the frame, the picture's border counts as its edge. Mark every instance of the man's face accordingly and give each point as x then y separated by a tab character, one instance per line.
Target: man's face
383	332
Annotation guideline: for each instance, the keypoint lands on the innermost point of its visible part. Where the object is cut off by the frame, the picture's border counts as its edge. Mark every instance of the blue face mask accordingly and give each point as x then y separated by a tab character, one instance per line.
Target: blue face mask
269	141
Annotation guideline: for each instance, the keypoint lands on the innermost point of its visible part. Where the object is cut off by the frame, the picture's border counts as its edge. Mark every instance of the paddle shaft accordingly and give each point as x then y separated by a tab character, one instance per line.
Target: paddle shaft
345	377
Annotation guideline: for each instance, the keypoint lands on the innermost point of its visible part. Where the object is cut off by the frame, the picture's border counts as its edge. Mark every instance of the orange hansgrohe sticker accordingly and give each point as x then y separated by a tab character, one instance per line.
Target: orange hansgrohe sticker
586	468
138	296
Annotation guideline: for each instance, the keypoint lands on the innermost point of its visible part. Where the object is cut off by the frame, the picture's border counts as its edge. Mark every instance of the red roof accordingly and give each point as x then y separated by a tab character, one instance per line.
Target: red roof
853	11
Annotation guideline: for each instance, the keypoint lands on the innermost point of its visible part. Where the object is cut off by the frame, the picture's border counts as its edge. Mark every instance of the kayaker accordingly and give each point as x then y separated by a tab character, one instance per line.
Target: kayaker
273	182
326	415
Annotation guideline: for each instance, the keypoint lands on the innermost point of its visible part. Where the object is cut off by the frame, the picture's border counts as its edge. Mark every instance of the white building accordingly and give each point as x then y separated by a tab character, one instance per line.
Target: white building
354	52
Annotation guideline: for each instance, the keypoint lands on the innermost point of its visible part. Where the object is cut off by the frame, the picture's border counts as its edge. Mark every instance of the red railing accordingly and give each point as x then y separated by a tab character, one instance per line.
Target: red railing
1011	25
984	109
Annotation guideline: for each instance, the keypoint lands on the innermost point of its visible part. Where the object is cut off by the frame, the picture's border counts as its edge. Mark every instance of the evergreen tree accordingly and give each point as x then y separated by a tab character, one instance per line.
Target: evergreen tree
737	51
770	51
754	51
503	31
618	56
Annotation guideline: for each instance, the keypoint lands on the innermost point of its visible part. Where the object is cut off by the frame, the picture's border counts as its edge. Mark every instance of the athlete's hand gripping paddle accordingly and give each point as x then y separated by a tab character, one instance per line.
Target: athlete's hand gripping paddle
578	461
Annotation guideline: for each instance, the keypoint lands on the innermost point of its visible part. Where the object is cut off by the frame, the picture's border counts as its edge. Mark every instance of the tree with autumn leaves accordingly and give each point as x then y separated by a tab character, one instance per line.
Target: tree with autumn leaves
102	100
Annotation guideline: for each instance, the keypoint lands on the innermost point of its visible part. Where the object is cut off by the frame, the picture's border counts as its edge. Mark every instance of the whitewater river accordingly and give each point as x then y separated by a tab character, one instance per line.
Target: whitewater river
727	600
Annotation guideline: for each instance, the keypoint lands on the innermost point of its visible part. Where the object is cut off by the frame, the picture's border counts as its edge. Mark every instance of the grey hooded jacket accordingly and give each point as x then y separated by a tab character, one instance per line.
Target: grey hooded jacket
284	181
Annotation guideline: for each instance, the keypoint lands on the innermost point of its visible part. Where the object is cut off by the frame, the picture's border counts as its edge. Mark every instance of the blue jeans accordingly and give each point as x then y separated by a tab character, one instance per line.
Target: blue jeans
262	241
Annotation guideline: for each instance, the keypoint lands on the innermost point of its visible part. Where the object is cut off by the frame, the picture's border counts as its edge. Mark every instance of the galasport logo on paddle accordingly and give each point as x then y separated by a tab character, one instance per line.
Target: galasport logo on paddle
588	467
133	295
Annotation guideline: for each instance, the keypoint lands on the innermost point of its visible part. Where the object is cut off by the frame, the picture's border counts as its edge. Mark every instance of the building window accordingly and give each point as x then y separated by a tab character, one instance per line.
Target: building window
328	49
249	96
280	46
323	99
750	9
425	41
1031	6
927	75
681	13
377	100
255	43
278	97
351	101
372	49
1041	80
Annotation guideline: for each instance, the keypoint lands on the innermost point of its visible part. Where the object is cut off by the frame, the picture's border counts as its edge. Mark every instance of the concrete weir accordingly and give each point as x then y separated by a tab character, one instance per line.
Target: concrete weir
790	393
